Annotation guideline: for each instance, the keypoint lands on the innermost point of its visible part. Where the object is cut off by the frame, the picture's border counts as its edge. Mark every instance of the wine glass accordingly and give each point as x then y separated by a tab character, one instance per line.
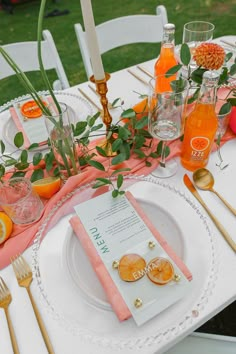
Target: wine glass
194	33
166	119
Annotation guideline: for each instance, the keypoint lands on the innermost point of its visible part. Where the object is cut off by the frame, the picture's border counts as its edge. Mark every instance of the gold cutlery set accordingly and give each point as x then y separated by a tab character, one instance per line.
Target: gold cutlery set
24	278
204	180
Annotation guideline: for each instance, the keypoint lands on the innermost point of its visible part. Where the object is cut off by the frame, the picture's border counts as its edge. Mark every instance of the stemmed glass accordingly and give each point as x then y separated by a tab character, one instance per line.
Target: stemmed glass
166	119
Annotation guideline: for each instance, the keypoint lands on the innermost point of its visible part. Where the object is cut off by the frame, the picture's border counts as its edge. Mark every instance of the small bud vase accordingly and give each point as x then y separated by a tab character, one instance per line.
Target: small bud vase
62	141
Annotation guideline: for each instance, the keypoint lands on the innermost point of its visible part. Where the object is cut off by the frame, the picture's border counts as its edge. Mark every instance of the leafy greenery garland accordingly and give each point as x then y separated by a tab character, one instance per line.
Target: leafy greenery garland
128	138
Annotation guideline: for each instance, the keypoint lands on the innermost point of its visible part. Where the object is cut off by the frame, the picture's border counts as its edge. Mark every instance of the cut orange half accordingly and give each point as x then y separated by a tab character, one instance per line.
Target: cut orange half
132	267
30	109
47	187
160	271
6	226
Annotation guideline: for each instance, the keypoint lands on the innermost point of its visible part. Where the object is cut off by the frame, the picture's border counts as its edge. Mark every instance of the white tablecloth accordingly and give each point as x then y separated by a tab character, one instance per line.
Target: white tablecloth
123	85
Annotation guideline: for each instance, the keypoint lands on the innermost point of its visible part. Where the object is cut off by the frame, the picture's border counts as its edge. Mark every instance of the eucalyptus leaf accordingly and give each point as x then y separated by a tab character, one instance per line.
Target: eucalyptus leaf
115	193
2	170
139	141
185	54
232	70
19	139
37	158
118	158
116	144
36	175
120	179
22	166
33	146
148	163
96	127
103	180
120	170
228	57
225	108
24	156
173	70
141	123
140	153
18	174
129	113
2	146
80	128
123	133
10	162
101	151
96	164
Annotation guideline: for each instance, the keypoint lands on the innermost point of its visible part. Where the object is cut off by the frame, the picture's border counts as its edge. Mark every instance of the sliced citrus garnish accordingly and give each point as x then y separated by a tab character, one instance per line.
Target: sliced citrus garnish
47	187
30	109
200	143
160	271
6	226
132	267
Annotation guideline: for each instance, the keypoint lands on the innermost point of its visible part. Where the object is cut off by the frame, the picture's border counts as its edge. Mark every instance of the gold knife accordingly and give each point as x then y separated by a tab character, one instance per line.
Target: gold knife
188	183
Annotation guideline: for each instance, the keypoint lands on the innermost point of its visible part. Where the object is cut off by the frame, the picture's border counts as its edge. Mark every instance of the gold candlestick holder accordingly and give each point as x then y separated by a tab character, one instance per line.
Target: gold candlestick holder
101	88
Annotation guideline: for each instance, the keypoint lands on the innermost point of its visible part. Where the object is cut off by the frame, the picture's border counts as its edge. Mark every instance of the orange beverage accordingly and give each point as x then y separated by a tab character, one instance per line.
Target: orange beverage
201	126
199	133
163	64
166	59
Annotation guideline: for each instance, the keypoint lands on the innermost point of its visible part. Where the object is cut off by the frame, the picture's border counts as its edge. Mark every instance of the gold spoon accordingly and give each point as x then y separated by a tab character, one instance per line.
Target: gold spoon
203	179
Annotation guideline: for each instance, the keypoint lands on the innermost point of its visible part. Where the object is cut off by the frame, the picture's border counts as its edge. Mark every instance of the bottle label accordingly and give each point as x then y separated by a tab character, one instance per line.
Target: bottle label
199	145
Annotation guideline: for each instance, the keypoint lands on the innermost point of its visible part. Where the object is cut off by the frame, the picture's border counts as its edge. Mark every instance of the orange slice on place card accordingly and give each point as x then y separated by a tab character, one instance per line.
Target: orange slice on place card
132	267
30	109
160	271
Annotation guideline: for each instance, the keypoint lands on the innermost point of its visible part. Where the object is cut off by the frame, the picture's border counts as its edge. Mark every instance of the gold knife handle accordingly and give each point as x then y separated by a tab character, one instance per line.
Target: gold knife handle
217	223
40	323
12	333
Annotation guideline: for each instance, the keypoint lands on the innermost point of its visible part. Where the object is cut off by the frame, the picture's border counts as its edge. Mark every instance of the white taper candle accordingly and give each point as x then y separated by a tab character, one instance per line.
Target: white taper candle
92	41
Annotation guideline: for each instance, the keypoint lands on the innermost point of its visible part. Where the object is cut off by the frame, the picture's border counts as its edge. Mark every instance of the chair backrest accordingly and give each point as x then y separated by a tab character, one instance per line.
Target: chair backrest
121	31
25	54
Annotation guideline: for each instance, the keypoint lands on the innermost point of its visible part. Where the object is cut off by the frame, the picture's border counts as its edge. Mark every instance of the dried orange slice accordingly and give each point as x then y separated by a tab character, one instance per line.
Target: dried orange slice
47	187
200	143
132	267
160	271
6	226
30	109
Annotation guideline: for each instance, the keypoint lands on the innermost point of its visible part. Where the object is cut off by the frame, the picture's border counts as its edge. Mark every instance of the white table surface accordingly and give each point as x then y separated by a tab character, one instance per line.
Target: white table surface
122	84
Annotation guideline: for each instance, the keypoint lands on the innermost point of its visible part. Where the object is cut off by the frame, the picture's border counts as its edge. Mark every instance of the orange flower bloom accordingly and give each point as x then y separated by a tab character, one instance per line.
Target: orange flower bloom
209	55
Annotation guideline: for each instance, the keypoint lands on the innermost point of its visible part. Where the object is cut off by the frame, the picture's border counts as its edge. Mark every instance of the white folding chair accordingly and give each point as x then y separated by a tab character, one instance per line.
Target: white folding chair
25	54
121	31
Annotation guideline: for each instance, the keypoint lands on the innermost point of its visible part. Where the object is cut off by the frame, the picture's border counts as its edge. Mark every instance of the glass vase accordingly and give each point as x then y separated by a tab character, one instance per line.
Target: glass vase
62	141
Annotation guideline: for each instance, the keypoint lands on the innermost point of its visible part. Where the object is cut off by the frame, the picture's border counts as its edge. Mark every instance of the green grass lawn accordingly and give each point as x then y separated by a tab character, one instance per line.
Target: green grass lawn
22	26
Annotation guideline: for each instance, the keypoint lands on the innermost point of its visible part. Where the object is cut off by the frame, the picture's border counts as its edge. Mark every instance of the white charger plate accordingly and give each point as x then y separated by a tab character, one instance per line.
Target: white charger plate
72	294
79	107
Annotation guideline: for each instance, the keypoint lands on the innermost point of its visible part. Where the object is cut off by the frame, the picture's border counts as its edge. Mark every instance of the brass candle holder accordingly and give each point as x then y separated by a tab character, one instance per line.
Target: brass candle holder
101	88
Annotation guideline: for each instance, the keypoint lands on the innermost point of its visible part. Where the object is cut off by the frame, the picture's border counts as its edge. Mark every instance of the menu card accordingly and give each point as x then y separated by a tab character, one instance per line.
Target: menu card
148	275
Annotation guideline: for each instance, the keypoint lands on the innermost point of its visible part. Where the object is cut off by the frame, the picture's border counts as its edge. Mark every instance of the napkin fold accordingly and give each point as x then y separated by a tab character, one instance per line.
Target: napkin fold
116	300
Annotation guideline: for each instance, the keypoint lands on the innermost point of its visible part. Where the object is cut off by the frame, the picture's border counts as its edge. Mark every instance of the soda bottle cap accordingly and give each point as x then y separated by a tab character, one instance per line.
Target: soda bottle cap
169	27
211	77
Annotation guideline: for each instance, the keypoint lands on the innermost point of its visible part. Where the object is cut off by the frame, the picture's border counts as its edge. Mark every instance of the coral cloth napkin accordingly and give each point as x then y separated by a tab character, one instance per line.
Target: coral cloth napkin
113	294
22	236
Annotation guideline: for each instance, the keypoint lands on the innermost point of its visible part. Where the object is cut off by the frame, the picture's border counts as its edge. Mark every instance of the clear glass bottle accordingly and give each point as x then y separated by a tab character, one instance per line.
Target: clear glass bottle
201	125
166	59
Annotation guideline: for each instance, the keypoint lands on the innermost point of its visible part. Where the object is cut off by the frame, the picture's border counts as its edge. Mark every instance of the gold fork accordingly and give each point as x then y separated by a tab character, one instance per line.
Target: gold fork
24	277
5	300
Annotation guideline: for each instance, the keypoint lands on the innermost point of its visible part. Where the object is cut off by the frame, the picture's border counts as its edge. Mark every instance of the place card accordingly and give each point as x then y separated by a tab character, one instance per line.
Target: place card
147	273
34	130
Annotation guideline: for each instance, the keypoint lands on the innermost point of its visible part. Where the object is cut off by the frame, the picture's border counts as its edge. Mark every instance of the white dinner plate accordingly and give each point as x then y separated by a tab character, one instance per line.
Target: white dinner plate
69	288
79	107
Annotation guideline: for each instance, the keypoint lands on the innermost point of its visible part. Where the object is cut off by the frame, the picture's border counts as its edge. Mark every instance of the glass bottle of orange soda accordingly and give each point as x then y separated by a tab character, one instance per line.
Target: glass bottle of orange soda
201	125
166	59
